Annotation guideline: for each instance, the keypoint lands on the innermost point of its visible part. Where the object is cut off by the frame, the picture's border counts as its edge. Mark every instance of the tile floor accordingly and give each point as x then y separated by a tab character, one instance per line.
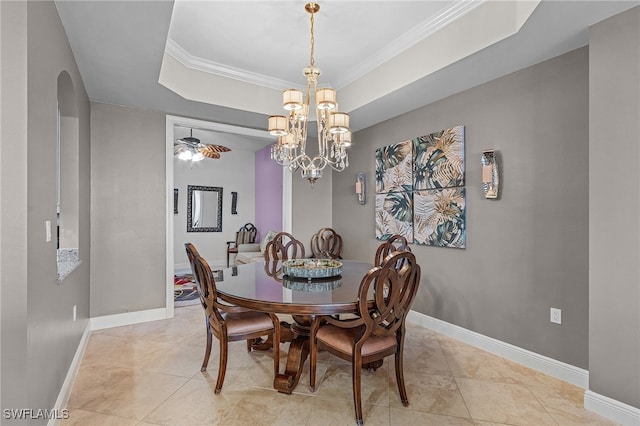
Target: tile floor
149	374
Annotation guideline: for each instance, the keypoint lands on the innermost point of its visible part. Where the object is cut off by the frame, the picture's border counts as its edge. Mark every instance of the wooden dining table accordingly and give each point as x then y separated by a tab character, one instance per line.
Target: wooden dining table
261	286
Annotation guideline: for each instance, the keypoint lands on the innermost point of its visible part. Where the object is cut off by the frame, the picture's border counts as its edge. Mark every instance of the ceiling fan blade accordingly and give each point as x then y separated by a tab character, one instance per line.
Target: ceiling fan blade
208	152
217	148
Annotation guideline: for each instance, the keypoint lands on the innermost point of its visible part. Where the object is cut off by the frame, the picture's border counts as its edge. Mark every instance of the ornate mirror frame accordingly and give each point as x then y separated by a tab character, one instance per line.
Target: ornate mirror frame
211	215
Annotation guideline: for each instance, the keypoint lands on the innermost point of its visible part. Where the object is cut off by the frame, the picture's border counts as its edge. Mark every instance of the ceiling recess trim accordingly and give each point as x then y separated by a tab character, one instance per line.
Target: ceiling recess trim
199	64
383	55
406	41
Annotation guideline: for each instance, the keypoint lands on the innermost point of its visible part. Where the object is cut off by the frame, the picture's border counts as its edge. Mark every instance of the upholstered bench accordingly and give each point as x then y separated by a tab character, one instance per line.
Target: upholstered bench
248	253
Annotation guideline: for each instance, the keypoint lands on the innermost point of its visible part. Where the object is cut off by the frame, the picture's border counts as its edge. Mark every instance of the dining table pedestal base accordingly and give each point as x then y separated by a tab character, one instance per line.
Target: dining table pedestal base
297	334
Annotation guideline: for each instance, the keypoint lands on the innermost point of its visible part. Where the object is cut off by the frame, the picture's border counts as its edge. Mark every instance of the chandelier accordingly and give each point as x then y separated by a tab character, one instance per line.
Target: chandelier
334	136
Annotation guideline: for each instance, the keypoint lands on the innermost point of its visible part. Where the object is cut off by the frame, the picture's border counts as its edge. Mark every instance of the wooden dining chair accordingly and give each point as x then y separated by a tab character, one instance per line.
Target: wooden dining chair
245	235
282	247
230	323
378	331
326	244
395	242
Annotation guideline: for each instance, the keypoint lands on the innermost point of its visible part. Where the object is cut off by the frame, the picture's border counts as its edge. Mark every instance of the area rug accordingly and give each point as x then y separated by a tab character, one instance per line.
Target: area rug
185	292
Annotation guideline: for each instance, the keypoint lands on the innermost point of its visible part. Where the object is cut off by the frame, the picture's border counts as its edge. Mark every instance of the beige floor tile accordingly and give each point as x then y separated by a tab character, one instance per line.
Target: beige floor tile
468	362
268	407
148	374
337	384
195	404
121	351
404	416
330	412
78	417
423	358
565	405
122	392
503	403
430	394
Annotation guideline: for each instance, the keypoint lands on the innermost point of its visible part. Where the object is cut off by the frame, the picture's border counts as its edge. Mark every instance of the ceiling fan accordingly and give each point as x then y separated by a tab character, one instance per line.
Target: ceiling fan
190	148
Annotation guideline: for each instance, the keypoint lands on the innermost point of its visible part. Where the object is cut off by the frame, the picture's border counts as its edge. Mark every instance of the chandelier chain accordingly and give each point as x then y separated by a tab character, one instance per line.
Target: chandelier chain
312	60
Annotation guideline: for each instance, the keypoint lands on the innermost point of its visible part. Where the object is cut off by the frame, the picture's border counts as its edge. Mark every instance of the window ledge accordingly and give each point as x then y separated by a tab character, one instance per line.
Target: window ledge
68	261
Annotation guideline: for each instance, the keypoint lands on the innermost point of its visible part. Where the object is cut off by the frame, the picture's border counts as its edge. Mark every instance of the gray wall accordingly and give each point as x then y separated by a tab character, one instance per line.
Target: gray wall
311	207
39	337
528	250
128	223
614	208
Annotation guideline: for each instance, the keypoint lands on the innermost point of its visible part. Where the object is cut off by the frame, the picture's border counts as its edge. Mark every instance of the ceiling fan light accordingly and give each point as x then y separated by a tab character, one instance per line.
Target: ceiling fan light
185	155
278	125
198	156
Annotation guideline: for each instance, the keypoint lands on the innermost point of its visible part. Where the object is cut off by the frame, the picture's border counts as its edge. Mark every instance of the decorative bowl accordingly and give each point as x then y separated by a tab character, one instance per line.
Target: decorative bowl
312	268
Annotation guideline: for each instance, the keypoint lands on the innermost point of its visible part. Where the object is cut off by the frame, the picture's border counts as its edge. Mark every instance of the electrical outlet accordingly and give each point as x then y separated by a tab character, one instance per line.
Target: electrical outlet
75	312
556	316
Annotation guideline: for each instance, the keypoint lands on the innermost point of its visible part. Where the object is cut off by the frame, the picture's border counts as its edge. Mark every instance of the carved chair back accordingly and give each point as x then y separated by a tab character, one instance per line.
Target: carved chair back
283	246
326	244
208	293
192	255
395	242
394	285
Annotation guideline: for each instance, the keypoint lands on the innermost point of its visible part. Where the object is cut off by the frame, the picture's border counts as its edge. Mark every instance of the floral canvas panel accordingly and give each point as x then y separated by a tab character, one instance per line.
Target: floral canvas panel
439	159
394	215
439	217
394	165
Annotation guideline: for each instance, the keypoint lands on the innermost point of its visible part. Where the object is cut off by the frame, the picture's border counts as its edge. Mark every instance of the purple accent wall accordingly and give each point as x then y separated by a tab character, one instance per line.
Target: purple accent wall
268	193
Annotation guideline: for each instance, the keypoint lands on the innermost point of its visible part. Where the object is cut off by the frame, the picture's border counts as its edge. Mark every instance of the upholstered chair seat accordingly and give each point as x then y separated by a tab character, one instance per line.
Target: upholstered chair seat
343	340
248	322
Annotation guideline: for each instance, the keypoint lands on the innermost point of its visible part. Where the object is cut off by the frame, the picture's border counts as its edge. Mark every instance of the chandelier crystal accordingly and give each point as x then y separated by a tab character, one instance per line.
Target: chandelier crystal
334	136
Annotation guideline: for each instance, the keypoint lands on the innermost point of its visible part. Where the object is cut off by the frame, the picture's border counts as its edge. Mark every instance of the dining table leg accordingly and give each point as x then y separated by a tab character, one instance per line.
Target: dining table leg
298	336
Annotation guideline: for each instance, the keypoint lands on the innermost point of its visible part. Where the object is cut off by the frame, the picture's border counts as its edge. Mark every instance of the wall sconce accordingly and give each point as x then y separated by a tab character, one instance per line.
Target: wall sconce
490	180
361	188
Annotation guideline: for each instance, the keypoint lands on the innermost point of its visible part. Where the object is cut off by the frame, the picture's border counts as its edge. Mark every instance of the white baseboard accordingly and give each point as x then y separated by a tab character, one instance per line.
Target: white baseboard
544	364
65	391
617	411
128	318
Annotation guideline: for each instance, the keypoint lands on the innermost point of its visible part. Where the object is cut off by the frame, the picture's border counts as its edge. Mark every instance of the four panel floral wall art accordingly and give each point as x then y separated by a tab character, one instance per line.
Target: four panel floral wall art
420	190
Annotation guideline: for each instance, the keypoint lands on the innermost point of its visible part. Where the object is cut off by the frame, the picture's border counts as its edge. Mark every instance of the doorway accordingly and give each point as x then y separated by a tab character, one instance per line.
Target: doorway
260	139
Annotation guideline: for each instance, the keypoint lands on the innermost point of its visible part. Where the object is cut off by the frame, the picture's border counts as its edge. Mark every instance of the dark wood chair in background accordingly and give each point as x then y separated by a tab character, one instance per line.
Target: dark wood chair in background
229	323
283	246
378	331
326	244
245	235
395	242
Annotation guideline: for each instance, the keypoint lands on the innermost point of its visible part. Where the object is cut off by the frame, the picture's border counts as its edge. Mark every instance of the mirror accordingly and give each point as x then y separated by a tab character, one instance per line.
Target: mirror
204	208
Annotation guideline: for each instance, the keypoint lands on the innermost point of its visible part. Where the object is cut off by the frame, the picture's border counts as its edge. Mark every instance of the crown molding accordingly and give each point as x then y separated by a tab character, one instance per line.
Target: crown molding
382	55
199	64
